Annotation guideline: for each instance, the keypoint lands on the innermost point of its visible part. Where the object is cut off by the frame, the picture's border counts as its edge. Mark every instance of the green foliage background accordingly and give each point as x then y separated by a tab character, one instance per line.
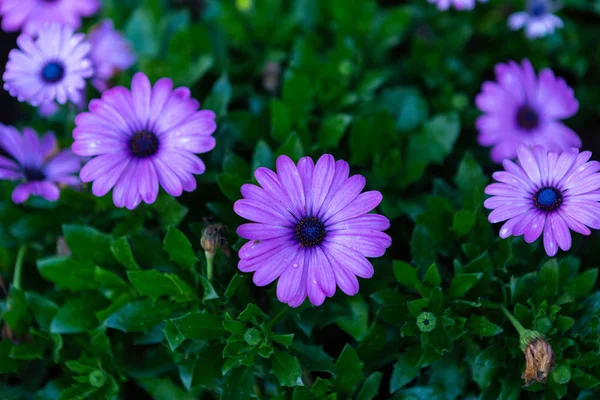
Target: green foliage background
127	311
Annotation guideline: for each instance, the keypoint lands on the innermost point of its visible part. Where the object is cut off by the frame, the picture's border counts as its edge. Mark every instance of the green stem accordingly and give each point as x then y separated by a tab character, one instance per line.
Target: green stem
278	316
209	264
19	267
520	328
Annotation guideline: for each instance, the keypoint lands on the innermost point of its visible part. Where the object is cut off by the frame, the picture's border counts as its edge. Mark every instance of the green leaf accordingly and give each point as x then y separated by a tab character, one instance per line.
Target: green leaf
235	282
357	324
209	290
483	327
87	243
430	146
281	120
140	31
564	323
230	185
470	180
292	148
405	370
463	222
561	374
68	273
253	314
333	129
170	211
406	274
77	314
462	283
238	384
219	97
370	388
154	285
432	276
287	369
314	358
179	248
407	105
583	284
547	281
200	325
122	252
163	388
349	370
139	316
236	165
584	380
7	364
262	156
42	309
28	351
173	336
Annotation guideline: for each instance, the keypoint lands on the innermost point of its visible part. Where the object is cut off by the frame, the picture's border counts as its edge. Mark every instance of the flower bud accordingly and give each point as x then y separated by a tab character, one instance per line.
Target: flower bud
214	238
426	322
539	360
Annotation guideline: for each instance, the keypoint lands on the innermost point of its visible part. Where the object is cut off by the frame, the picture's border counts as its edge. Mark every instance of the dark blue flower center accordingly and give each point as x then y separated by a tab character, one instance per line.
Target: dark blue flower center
527	118
310	232
53	72
547	199
143	144
537	8
34	174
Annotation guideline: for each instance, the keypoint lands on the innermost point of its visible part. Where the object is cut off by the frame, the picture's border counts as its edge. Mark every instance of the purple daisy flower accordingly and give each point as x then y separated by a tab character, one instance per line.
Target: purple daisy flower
523	108
142	138
33	165
444	5
311	229
538	19
549	192
30	15
110	54
53	66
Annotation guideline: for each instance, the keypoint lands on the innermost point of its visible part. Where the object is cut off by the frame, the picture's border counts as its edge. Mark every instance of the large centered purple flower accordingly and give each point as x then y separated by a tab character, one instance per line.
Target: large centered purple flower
523	108
32	164
549	192
30	15
53	66
142	138
311	229
110	54
537	19
458	4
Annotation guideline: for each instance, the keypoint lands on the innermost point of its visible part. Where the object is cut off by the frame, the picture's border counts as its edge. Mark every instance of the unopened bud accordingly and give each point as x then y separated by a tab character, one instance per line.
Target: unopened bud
426	322
214	238
539	360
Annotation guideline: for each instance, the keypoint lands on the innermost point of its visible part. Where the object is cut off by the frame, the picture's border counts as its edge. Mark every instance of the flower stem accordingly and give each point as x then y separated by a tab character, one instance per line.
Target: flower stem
19	267
278	316
210	256
520	328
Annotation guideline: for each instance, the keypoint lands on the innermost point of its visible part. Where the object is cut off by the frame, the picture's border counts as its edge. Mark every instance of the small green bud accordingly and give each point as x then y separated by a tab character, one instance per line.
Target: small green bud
426	322
97	378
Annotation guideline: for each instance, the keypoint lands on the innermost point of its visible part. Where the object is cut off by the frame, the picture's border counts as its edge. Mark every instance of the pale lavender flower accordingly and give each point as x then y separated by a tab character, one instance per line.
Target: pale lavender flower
537	19
141	139
50	67
311	229
32	164
549	193
524	108
31	15
111	53
444	5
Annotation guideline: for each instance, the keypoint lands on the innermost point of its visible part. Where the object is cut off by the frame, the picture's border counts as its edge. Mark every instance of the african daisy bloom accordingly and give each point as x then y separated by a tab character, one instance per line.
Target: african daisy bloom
142	138
524	108
31	15
537	19
549	192
444	5
110	54
310	228
33	164
51	67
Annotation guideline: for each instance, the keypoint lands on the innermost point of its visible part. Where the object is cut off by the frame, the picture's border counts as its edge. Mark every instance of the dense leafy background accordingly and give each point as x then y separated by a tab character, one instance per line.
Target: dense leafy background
115	304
